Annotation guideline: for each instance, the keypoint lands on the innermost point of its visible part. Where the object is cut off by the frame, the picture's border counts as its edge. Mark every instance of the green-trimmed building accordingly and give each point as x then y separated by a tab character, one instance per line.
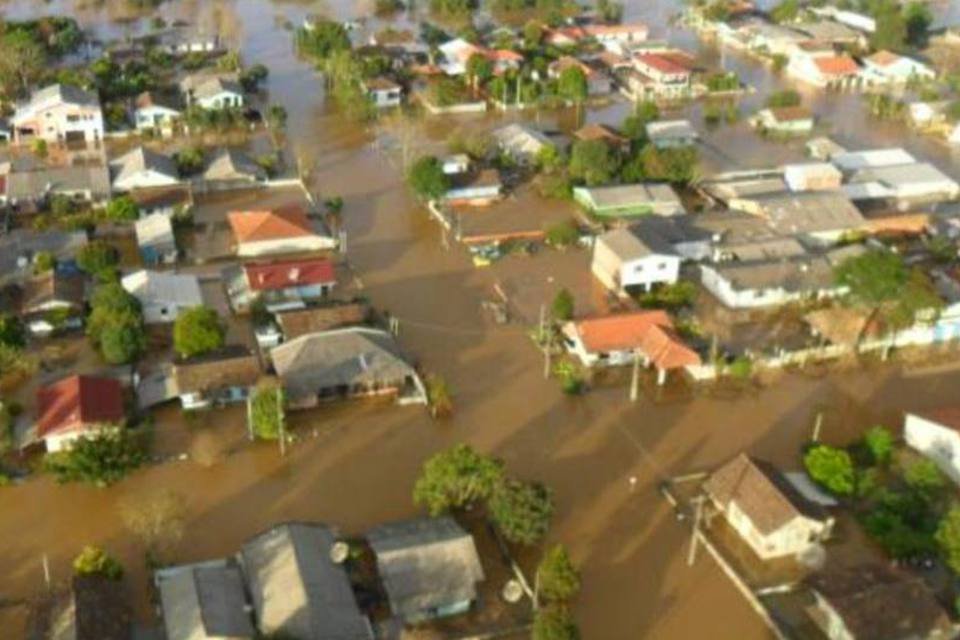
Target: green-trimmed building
629	200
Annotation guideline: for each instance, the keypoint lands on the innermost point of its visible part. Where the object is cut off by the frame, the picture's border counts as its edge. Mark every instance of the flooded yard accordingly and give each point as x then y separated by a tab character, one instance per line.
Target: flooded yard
354	465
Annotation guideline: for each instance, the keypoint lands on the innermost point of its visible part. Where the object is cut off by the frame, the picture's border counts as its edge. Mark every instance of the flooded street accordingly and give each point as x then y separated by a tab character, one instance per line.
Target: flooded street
355	465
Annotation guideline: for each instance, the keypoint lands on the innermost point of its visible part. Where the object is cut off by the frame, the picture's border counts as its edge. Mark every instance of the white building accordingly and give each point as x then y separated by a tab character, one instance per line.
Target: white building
281	232
812	176
886	67
59	113
771	516
213	92
621	261
936	434
383	92
142	168
163	296
152	113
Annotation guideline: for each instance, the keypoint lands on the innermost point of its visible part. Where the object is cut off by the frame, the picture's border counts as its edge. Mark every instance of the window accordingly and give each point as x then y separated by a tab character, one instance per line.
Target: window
73	118
662	266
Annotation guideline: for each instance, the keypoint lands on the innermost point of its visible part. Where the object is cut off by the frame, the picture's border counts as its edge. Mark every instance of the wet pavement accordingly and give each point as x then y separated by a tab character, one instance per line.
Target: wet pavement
355	465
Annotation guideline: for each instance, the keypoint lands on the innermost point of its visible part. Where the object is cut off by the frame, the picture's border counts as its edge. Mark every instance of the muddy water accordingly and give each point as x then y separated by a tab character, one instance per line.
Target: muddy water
355	464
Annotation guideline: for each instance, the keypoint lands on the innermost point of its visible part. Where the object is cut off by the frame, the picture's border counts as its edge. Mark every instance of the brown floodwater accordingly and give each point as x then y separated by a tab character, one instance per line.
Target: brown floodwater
355	464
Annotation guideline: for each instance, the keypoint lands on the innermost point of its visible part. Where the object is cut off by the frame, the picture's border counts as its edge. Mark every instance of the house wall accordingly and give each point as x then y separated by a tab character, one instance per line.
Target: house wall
63	441
650	270
286	246
155	117
936	442
54	123
605	266
742	299
391	98
222	100
791	539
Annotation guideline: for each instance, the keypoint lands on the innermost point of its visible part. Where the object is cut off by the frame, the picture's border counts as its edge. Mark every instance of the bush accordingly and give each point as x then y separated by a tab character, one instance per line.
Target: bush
879	442
521	511
557	579
122	209
94	561
831	468
12	333
100	460
562	234
784	98
198	331
457	478
554	623
97	257
189	161
563	305
427	179
267	412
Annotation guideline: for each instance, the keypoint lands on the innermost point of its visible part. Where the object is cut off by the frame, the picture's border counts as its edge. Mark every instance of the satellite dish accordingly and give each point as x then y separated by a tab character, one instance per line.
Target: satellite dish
512	591
339	552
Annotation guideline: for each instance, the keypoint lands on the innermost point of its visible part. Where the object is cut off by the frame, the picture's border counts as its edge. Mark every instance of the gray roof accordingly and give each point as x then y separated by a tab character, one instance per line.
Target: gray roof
810	212
142	159
904	175
230	164
204	601
671	129
521	140
627	245
797	274
155	230
56	94
212	87
426	563
27	243
35	184
626	195
297	588
344	357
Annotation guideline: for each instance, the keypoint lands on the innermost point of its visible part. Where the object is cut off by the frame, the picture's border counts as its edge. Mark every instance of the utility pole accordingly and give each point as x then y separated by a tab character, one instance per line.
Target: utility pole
816	426
250	417
635	380
46	571
695	537
281	423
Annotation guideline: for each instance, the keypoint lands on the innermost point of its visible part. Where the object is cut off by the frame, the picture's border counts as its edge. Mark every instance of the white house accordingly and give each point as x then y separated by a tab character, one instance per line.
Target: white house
151	112
936	434
886	67
156	239
163	296
622	261
59	113
771	516
213	91
142	168
284	231
77	407
823	69
812	176
789	121
383	92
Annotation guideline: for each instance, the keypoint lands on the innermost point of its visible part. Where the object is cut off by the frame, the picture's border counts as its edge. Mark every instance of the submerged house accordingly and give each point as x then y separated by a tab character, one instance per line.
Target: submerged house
344	363
288	284
204	601
223	377
479	189
279	232
429	567
873	601
156	240
143	168
771	516
52	302
59	113
936	435
96	608
299	585
627	200
163	296
623	339
623	261
78	407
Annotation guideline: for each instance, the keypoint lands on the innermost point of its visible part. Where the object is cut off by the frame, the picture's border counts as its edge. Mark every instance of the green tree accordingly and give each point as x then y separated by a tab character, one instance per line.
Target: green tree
891	26
924	476
11	331
439	397
557	579
97	258
323	39
267	412
521	510
572	84
783	98
918	18
22	62
831	468
593	162
189	161
94	561
879	442
563	305
554	623
678	166
100	460
786	11
123	340
948	537
277	117
562	234
533	34
198	331
252	77
457	478
427	179
479	69
44	262
122	209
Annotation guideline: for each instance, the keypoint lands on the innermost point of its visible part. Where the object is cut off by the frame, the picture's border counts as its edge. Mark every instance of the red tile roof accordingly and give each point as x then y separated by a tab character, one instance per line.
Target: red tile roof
837	65
650	332
255	226
76	403
615	29
289	273
662	63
